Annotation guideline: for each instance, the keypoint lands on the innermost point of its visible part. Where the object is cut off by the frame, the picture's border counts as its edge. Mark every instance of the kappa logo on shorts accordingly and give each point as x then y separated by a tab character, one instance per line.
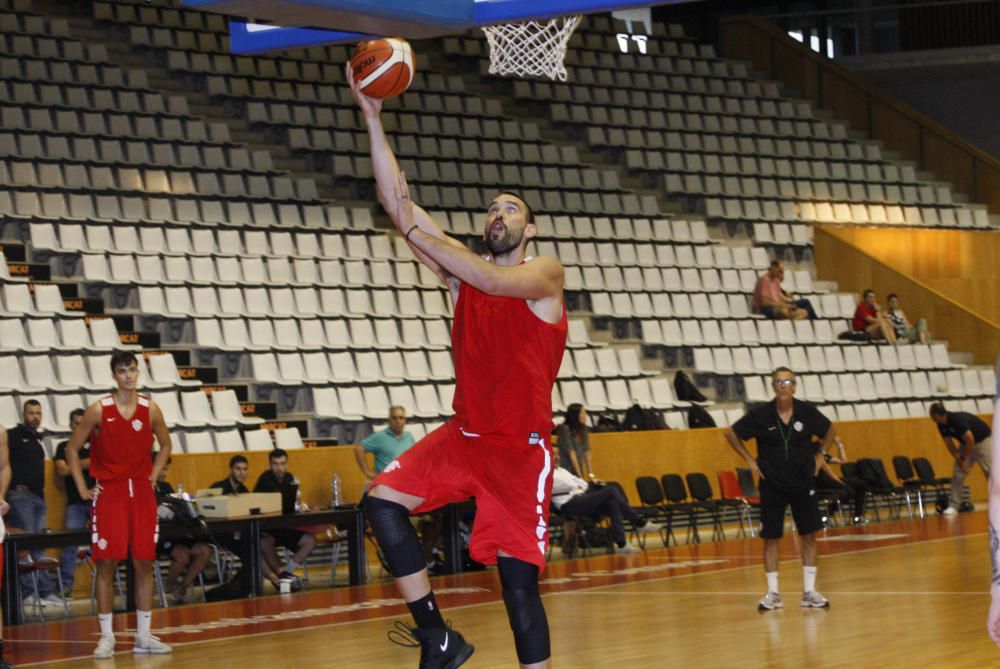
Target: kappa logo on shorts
534	438
102	544
137	425
392	466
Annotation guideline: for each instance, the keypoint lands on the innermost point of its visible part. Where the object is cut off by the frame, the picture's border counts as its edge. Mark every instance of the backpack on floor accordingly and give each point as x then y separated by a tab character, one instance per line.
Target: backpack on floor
231	589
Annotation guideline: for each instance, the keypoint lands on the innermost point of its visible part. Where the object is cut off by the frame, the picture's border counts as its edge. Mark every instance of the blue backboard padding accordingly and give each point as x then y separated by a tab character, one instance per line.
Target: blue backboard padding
244	40
455	14
502	11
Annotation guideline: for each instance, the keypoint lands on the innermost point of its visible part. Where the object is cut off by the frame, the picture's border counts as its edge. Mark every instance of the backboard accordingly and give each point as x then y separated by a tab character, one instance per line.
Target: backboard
300	23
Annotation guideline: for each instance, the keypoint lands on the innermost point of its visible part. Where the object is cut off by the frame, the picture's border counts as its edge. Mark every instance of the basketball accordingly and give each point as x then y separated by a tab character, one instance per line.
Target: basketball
383	68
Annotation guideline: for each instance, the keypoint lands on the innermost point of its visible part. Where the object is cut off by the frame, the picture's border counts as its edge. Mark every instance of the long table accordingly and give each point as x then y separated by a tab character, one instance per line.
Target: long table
250	529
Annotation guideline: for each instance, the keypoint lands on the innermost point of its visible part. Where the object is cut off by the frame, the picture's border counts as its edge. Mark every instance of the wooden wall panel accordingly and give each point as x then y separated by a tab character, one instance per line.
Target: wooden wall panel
616	456
839	260
960	264
623	456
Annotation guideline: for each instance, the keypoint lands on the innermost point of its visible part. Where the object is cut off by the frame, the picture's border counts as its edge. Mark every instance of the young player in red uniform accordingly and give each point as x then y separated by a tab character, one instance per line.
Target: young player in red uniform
120	428
508	339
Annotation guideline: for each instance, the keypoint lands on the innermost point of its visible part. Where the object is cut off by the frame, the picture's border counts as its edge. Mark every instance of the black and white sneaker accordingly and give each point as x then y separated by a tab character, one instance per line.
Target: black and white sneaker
439	648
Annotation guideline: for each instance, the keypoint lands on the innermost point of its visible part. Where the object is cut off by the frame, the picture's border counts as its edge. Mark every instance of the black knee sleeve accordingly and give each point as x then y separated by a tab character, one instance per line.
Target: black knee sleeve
519	580
396	537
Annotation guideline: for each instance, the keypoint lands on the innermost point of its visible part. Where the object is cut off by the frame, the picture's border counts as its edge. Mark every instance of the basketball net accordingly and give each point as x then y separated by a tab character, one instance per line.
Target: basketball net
531	49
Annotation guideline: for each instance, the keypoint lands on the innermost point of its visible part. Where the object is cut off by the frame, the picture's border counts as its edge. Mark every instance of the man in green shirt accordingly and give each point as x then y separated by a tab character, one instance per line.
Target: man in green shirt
387	444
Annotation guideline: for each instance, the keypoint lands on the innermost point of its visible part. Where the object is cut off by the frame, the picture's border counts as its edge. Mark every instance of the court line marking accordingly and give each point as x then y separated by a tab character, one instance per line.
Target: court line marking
500	601
756	593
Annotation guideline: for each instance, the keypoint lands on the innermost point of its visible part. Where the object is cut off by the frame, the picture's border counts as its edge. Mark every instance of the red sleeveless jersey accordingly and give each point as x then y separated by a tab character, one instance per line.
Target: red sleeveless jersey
122	448
506	360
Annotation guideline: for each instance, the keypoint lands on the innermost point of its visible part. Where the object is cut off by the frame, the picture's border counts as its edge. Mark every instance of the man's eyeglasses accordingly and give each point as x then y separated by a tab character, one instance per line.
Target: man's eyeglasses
785	382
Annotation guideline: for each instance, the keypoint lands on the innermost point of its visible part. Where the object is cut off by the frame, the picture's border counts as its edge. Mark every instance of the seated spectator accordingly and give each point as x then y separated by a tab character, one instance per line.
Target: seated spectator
847	486
77	508
386	445
573	441
902	326
868	317
239	468
279	479
573	496
188	555
771	301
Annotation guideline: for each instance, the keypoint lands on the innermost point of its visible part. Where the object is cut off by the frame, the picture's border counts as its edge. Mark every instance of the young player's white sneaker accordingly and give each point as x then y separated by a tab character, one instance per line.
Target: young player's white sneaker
771	601
950	511
150	645
627	549
814	600
105	647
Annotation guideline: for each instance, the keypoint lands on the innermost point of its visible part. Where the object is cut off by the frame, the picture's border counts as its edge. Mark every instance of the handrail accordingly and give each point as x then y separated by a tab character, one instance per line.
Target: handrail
864	105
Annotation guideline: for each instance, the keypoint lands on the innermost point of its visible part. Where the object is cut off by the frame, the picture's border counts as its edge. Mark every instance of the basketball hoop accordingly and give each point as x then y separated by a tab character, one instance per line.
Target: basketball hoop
531	49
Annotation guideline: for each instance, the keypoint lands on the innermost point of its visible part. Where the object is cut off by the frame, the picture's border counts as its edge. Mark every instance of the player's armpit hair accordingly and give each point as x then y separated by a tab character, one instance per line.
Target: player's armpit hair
994	557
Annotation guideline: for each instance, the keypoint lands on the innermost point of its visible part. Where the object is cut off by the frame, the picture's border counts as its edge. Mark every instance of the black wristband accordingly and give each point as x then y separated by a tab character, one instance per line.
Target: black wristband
407	235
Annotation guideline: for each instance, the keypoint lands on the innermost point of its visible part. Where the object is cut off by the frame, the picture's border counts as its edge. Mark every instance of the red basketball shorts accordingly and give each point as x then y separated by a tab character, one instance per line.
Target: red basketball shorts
123	521
511	479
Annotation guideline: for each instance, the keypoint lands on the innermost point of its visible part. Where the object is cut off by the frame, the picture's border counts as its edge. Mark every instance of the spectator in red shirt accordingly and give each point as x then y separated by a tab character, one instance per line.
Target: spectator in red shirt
870	318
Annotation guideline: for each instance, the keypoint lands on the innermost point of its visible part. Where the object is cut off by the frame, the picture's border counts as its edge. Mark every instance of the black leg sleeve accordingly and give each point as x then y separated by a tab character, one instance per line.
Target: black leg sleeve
525	612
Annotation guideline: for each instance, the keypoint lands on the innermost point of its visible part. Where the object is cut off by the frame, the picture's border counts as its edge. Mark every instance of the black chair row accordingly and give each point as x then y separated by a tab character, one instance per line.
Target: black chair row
665	499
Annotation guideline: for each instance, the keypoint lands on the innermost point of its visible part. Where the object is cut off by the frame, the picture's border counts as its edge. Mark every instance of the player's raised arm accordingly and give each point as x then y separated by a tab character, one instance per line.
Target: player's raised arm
90	421
387	172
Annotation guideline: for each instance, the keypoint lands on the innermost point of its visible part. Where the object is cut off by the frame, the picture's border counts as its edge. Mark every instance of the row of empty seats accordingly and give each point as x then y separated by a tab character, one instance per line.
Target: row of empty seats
258	271
670	279
82	176
193	409
77	373
239	213
868	410
182	302
865	386
35	335
852	358
843	212
678	305
40	299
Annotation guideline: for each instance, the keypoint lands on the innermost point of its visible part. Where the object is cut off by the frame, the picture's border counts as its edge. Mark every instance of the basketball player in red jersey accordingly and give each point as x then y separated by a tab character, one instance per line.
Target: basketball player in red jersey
508	339
123	521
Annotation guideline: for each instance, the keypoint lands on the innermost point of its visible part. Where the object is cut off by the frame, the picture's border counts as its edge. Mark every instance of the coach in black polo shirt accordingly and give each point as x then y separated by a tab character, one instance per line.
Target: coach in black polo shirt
788	457
973	439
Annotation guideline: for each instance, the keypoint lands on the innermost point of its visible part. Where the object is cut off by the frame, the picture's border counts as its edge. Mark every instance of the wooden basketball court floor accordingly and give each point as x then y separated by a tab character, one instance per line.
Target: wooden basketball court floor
903	594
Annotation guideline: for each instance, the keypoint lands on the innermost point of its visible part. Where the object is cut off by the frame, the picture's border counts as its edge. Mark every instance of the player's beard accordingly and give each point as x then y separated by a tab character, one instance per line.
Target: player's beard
504	244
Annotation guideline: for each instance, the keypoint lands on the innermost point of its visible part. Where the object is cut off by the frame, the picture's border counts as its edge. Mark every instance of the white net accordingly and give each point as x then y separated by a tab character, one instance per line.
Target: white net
531	49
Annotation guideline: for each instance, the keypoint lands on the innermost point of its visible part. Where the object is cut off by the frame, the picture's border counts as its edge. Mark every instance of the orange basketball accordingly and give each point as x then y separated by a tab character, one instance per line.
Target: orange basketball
383	67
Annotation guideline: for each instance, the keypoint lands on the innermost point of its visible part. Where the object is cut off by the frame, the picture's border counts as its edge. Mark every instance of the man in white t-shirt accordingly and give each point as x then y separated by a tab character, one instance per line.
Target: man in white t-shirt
573	496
